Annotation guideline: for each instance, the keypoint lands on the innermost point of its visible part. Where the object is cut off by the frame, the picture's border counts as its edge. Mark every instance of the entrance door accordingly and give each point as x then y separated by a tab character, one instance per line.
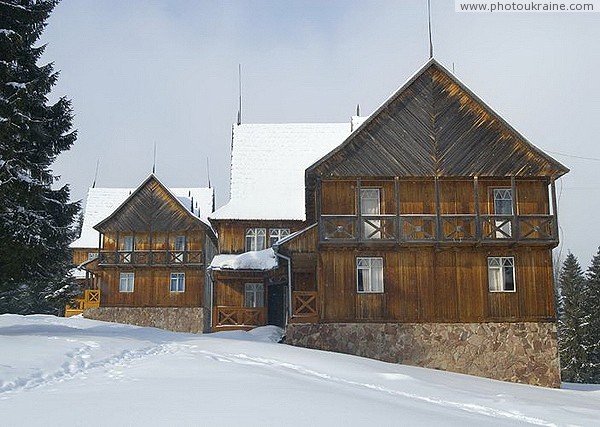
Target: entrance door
276	304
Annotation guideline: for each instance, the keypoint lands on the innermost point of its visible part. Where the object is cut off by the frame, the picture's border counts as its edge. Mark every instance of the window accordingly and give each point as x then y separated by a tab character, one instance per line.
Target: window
256	239
127	248
503	205
276	234
177	282
126	282
370	205
179	248
92	255
369	274
501	274
254	295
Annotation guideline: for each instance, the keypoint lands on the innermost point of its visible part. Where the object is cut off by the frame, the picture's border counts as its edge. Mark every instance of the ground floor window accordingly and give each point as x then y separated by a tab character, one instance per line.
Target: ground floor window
276	234
254	295
126	282
501	274
177	282
369	274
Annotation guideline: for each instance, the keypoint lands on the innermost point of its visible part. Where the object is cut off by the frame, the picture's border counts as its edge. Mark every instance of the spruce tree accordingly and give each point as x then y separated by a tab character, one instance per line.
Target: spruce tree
592	304
35	218
572	322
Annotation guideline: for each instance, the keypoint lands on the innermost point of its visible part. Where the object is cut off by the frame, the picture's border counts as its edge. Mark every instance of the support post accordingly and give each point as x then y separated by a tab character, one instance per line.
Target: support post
438	211
359	226
318	209
516	225
477	209
554	209
398	221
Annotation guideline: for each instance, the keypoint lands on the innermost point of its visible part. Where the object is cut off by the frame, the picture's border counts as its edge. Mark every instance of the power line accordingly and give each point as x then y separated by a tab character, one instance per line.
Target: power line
595	159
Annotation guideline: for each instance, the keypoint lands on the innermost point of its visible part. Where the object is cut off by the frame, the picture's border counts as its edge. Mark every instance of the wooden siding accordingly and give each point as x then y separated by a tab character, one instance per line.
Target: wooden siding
232	233
151	288
81	255
427	285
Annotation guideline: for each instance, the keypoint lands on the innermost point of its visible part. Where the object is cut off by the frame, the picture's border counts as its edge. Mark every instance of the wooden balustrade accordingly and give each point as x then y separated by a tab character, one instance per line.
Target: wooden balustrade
239	317
91	299
304	305
153	257
430	228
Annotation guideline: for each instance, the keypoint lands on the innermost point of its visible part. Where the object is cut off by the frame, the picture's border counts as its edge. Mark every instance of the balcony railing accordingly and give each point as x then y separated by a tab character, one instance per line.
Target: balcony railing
91	299
238	317
431	228
304	306
154	257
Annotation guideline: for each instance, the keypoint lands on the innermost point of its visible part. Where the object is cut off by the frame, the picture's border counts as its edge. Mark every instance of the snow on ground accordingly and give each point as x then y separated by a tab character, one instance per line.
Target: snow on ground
75	371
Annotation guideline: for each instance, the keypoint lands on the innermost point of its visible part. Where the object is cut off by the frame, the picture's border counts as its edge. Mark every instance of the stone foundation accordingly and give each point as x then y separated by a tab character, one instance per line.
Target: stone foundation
524	352
176	319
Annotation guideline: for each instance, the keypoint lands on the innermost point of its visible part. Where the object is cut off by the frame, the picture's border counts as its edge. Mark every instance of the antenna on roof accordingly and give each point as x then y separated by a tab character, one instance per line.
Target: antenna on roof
208	171
429	22
358	109
154	162
239	116
96	173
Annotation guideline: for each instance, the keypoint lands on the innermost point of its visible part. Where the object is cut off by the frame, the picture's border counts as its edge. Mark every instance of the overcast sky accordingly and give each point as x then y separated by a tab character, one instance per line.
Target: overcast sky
166	72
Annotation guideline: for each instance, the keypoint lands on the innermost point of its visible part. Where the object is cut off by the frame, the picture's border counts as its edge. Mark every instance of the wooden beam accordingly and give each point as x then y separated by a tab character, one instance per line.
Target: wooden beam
438	213
318	209
513	187
554	209
359	207
398	223
477	209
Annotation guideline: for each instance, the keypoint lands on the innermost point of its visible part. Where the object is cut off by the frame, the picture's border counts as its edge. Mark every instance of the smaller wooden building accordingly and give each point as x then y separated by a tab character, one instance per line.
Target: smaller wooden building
151	264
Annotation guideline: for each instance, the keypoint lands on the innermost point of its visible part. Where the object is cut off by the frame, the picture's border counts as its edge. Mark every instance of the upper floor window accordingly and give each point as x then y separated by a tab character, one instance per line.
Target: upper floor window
177	282
256	239
127	243
126	282
276	234
254	295
501	274
369	274
503	205
370	204
179	248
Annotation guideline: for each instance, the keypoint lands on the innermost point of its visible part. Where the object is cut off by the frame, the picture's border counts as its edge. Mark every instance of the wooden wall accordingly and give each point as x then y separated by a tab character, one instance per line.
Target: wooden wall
152	288
457	196
80	255
161	240
427	285
232	233
229	288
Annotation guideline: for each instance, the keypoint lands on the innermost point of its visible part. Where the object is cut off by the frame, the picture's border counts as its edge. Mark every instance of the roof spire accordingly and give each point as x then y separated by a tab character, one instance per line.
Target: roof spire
239	116
429	25
96	174
154	162
358	109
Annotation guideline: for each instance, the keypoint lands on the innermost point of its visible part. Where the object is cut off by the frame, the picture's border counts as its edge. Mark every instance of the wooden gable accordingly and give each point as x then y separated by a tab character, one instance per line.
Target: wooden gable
435	126
151	207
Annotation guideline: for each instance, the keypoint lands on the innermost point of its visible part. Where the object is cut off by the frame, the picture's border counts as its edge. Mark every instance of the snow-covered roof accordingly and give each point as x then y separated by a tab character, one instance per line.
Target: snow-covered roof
101	202
253	260
268	163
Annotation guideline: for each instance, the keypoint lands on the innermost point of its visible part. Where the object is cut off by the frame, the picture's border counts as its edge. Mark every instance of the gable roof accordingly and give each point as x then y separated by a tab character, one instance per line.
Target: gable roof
435	126
152	205
102	202
267	167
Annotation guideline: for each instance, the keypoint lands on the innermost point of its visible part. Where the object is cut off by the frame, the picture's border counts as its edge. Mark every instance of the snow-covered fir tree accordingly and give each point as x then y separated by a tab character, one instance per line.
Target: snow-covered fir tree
35	219
593	310
573	322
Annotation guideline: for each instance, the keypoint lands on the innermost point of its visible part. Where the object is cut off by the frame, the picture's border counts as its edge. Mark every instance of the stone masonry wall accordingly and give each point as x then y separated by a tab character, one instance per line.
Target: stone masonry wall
176	319
524	352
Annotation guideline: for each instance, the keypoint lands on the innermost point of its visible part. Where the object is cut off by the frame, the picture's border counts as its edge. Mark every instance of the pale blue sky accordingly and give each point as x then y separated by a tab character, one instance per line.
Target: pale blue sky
141	72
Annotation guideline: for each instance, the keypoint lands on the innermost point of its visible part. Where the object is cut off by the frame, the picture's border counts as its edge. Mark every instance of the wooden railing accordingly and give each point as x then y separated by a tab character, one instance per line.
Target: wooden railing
304	305
91	299
242	317
153	257
431	228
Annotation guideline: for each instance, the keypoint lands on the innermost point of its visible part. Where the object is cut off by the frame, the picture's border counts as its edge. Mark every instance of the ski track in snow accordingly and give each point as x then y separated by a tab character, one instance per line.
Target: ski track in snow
78	366
468	407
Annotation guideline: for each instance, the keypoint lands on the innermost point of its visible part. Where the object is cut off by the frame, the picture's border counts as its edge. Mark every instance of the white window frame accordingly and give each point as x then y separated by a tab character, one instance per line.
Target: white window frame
367	194
126	282
504	226
255	236
128	248
276	234
373	266
177	282
178	249
254	295
497	274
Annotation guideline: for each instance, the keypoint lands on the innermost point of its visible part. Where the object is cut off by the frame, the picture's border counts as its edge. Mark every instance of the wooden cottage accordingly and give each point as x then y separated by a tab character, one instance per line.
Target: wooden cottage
151	265
266	205
429	240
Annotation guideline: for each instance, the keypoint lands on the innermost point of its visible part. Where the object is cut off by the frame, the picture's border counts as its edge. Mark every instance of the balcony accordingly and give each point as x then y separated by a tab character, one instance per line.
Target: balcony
226	317
434	229
150	258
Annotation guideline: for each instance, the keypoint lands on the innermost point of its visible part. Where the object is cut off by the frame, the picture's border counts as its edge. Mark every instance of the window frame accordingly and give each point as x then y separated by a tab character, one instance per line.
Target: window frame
370	268
126	275
255	289
503	262
253	235
278	234
179	284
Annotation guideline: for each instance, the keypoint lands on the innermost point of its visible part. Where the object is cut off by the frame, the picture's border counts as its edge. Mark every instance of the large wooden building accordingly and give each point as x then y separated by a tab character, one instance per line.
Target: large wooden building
429	239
